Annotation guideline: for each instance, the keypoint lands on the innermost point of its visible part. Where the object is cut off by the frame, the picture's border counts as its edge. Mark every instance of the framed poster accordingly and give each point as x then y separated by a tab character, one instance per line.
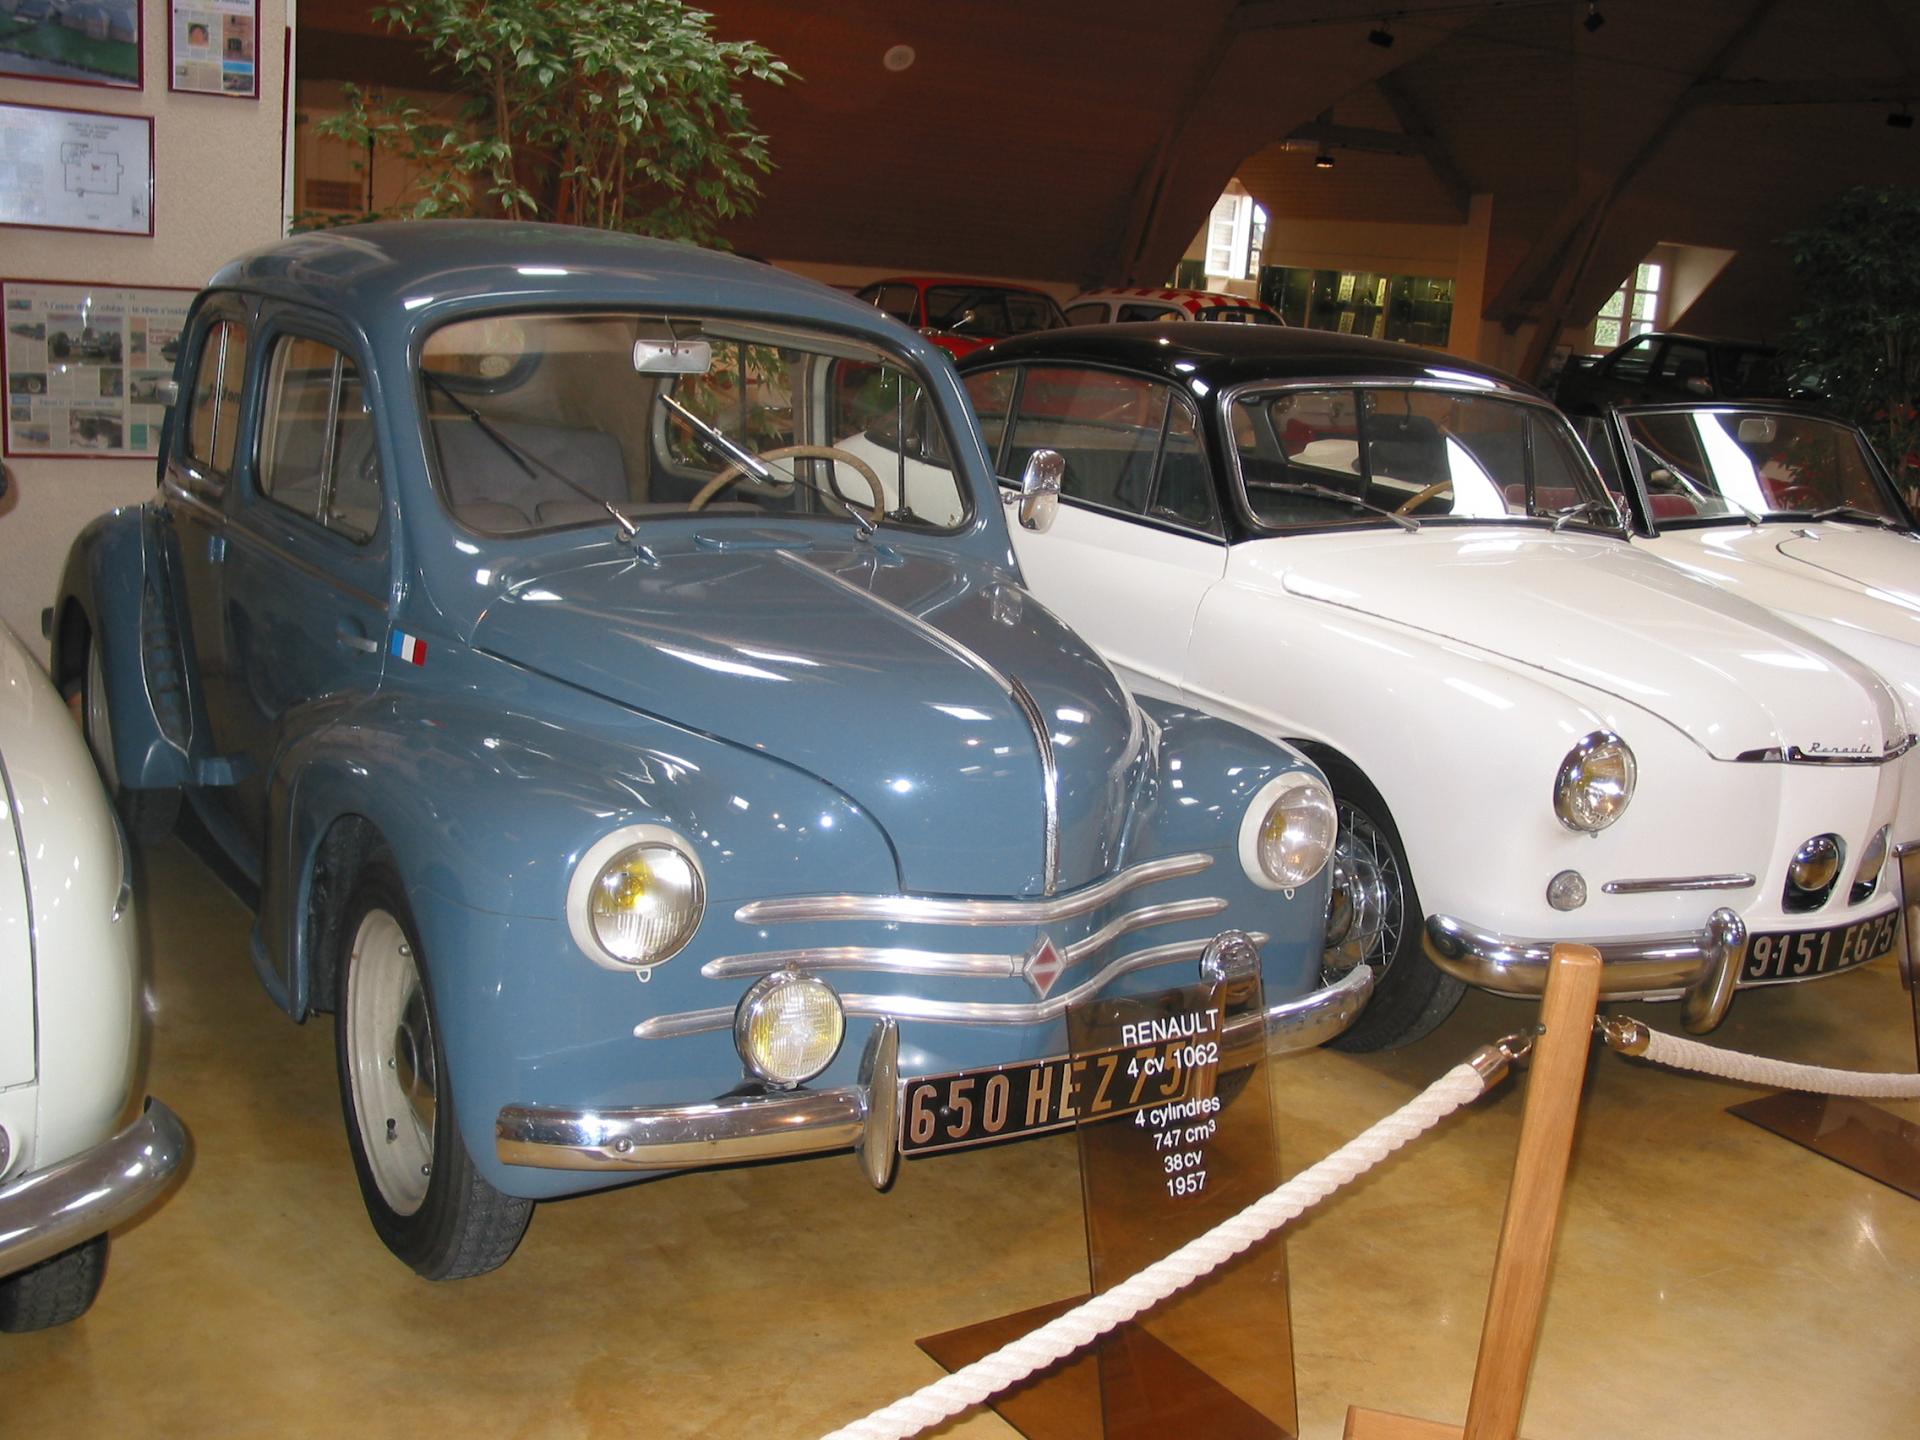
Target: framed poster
95	42
76	169
87	366
213	47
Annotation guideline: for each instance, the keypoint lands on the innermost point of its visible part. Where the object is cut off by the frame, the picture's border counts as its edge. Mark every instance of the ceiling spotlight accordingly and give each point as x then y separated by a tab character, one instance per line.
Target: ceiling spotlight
1901	119
1594	18
898	58
1381	36
1323	161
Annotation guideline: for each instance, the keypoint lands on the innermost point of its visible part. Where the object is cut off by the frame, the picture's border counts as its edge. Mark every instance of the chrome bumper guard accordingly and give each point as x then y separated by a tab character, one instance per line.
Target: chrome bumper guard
1700	969
861	1117
51	1210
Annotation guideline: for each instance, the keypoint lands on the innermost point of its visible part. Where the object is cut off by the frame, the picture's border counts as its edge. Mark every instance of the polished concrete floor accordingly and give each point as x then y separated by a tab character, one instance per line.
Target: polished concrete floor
1712	1280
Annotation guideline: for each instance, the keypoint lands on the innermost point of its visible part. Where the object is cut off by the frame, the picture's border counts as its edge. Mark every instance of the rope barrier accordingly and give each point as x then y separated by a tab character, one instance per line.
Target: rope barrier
1630	1037
1085	1323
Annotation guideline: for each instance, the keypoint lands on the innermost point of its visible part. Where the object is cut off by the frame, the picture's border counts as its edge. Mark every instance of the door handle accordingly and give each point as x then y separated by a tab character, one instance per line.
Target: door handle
216	548
352	640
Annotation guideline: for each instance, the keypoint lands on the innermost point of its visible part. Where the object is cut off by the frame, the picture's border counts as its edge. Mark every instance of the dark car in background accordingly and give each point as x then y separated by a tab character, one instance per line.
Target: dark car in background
1662	366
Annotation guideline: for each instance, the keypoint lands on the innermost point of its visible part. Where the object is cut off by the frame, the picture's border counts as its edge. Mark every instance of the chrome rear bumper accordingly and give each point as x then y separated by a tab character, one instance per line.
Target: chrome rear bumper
1700	969
51	1210
862	1116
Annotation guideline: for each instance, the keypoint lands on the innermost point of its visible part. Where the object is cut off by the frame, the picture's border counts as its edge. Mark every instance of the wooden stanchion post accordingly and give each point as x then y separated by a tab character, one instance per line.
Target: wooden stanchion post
1518	1293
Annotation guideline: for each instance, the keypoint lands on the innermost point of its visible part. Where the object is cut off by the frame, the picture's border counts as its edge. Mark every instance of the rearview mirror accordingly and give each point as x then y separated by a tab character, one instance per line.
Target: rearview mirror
1757	430
1040	490
672	357
1699	385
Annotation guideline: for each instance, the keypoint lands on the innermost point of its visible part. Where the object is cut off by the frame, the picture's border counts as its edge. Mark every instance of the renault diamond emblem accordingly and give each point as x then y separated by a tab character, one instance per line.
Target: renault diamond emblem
1045	965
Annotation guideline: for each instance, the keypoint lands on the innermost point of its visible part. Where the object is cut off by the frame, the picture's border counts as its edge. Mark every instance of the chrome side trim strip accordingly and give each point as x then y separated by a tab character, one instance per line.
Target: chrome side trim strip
1795	755
951	1012
1679	882
903	961
1049	777
924	910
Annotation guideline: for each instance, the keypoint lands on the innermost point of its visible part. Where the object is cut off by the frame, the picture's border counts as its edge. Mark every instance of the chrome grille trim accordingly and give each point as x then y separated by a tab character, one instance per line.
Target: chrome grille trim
904	961
915	908
1659	885
1049	777
953	1012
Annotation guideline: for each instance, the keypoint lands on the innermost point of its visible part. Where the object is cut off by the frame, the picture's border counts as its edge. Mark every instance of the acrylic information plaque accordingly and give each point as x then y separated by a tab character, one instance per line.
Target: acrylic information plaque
1175	1134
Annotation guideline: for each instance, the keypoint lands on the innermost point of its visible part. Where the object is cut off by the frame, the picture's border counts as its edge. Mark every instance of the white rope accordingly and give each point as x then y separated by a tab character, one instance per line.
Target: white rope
1757	1070
1086	1322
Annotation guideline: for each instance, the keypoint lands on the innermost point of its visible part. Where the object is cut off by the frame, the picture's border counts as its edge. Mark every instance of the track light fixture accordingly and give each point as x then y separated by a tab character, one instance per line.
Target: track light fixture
1594	18
1323	161
1901	119
1380	35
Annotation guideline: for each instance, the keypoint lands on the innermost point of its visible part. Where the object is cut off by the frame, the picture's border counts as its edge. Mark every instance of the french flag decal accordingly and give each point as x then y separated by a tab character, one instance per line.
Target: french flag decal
410	648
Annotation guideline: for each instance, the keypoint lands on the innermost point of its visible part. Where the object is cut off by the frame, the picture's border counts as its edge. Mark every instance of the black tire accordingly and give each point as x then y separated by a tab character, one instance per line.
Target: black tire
55	1291
396	1109
1411	996
148	815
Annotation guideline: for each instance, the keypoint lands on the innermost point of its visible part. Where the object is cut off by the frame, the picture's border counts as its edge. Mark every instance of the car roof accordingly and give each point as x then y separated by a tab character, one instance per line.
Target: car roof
1720	341
1231	354
410	274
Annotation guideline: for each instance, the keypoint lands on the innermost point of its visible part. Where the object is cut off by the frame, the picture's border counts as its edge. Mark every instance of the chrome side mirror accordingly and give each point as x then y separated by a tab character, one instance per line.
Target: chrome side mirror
1040	490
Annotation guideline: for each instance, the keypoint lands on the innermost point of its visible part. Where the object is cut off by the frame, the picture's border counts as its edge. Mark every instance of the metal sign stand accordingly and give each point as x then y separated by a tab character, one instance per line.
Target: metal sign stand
1524	1262
1855	1133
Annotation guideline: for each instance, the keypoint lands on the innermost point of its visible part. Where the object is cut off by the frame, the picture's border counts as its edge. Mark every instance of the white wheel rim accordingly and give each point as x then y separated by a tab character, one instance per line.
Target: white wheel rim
99	727
390	1062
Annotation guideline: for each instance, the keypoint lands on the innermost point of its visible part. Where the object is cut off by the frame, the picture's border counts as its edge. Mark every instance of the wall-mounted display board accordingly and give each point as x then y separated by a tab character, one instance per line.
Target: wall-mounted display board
66	169
88	367
213	47
75	42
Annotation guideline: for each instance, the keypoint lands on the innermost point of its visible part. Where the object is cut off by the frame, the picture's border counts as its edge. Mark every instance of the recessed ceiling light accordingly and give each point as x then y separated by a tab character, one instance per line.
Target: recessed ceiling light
1594	18
898	58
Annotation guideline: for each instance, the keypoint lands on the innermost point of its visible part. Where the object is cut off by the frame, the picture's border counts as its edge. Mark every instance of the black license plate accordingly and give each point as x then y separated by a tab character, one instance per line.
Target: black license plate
1780	956
974	1107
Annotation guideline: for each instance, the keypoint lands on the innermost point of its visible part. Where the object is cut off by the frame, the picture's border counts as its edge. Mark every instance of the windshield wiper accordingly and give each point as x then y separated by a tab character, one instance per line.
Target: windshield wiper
520	456
762	472
1853	512
1327	492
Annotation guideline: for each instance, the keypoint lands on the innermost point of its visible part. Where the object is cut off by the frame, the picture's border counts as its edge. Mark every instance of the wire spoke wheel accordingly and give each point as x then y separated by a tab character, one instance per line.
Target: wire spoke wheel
1367	913
390	1059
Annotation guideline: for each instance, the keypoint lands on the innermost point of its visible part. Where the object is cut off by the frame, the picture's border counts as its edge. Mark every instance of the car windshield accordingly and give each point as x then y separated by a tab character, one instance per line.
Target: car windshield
1707	465
1380	455
988	310
540	421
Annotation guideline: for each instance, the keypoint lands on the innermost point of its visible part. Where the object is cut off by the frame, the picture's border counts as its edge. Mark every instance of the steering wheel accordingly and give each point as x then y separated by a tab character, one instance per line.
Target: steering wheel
1422	495
732	473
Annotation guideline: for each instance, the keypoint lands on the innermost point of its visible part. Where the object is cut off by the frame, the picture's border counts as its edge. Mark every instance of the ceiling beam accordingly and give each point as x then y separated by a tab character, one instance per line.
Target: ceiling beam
1572	277
1882	91
1439	158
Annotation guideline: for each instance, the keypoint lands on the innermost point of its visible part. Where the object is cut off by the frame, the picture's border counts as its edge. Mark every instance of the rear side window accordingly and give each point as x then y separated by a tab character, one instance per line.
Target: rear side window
1635	362
214	417
317	452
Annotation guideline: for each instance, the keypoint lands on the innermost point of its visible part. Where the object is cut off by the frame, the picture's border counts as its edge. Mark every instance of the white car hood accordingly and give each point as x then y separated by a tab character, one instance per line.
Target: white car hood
1850	575
1731	675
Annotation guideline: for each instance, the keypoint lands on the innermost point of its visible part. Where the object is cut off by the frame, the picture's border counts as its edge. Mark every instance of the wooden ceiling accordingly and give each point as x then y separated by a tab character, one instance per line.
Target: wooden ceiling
1083	141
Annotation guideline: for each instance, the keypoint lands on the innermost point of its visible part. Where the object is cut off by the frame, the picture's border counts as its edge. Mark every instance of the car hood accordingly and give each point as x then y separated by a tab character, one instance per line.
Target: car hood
1733	676
1854	576
886	672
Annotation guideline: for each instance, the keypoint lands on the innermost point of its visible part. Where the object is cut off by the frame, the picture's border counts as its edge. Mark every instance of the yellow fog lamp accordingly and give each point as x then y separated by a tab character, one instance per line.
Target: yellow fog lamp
788	1028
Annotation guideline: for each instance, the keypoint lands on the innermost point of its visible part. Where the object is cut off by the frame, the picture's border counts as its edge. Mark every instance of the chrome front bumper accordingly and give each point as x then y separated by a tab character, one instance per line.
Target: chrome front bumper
1701	969
51	1210
861	1117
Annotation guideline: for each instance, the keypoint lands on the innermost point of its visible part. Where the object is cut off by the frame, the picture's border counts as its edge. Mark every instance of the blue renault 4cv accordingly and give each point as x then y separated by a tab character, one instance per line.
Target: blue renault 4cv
609	661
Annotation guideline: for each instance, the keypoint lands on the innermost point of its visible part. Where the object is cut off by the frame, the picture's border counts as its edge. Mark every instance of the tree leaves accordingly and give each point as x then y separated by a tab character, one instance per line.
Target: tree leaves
620	114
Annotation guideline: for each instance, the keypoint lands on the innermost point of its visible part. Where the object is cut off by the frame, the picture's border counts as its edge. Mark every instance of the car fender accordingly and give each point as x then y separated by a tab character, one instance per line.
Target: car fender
115	591
405	767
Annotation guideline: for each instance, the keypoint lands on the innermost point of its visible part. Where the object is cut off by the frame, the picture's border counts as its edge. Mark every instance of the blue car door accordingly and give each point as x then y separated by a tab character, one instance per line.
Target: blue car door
308	580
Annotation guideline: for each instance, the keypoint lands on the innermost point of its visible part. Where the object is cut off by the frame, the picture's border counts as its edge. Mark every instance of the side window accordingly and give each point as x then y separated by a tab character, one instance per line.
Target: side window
213	418
1184	491
1634	363
1682	363
1093	312
991	392
317	453
1131	313
1107	427
901	302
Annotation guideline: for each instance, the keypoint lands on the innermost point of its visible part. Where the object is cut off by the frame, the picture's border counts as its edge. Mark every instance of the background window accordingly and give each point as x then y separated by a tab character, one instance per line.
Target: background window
1633	309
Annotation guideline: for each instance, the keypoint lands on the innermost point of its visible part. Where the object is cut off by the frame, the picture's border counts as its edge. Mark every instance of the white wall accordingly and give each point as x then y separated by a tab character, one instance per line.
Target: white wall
217	192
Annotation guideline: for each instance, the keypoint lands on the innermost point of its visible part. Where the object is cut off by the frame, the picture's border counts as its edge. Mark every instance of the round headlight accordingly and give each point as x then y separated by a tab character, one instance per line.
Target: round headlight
1816	864
788	1027
636	898
1595	783
1288	832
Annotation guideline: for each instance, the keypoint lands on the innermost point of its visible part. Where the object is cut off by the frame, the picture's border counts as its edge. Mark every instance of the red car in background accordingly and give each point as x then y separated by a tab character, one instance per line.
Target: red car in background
960	316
